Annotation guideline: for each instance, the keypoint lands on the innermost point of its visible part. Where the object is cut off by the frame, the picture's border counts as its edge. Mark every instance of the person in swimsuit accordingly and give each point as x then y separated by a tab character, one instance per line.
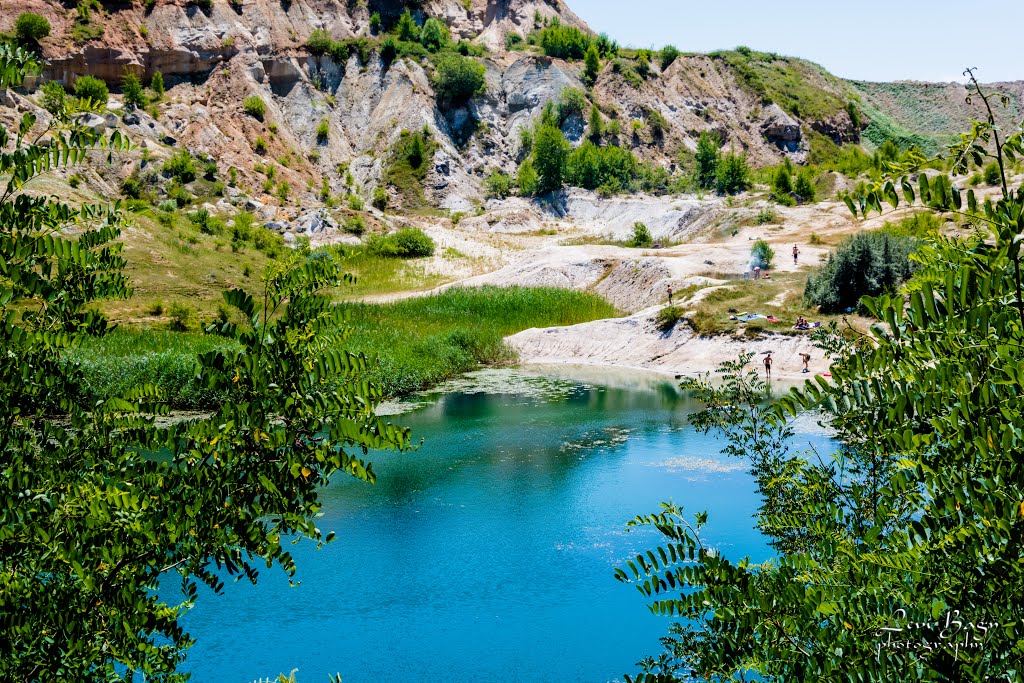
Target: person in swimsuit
796	253
768	365
670	295
807	359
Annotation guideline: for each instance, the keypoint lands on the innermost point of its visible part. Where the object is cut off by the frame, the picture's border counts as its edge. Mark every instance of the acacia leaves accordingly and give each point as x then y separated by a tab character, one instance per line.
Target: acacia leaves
100	504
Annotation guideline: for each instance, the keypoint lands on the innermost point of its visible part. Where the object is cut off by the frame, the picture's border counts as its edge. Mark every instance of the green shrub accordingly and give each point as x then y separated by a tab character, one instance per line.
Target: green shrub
733	174
591	167
550	154
668	54
706	161
406	243
991	174
182	317
156	84
53	97
527	179
641	236
268	242
865	264
375	22
782	183
30	28
354	225
434	35
498	185
92	89
242	230
355	202
766	216
131	187
762	254
180	166
259	145
591	64
657	122
380	198
254	107
668	317
319	41
564	42
406	28
572	102
177	193
457	79
804	186
323	131
131	90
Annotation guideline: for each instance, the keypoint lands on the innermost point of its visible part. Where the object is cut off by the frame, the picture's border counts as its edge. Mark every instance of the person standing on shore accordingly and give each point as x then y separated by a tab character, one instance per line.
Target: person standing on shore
796	253
768	365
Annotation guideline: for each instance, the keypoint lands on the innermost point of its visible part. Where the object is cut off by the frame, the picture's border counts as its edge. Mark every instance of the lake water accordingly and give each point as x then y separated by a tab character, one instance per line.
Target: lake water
487	554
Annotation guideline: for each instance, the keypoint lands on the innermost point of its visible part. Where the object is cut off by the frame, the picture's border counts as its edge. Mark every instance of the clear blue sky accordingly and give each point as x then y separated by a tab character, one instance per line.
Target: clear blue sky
879	40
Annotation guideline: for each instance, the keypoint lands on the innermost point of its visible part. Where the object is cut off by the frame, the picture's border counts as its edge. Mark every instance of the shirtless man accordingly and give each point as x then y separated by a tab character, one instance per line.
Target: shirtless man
768	365
807	359
796	252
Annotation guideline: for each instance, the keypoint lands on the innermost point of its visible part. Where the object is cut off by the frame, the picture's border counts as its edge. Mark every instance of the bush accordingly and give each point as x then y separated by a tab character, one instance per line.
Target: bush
406	28
641	236
131	90
156	84
434	35
706	161
30	28
323	130
319	41
380	198
762	255
591	167
457	79
766	216
53	97
182	317
591	64
131	187
354	225
657	122
782	183
733	174
268	242
92	89
804	187
571	103
991	174
564	42
375	22
550	153
180	166
259	145
668	318
866	264
254	107
355	202
527	179
668	54
498	185
406	243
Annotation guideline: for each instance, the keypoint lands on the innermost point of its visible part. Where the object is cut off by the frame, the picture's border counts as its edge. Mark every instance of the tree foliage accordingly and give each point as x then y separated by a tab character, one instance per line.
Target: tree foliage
706	161
92	523
30	28
865	264
732	174
565	42
898	555
458	78
550	154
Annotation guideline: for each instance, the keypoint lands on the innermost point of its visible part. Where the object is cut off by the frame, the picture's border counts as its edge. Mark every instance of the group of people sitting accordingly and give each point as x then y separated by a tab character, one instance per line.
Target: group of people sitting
802	324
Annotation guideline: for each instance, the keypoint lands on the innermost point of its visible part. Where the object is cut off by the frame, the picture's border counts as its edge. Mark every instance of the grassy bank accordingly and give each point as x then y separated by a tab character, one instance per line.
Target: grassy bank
416	343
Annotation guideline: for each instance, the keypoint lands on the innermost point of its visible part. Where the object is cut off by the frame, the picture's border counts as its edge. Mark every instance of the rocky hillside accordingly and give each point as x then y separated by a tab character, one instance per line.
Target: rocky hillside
334	117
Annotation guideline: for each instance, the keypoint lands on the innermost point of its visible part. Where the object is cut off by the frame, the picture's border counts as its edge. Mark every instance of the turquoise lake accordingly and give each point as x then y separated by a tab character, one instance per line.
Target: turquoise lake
488	553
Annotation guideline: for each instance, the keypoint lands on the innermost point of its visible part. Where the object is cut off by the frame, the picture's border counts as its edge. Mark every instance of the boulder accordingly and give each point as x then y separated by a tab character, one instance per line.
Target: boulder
275	226
93	122
779	127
